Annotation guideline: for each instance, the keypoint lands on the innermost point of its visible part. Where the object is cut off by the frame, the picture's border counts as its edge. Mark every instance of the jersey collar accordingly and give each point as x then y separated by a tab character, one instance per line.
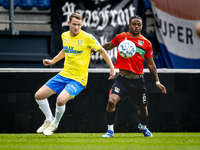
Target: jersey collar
134	36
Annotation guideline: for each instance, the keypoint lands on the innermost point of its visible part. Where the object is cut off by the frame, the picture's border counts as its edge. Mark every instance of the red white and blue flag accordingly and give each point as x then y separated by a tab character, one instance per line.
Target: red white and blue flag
175	22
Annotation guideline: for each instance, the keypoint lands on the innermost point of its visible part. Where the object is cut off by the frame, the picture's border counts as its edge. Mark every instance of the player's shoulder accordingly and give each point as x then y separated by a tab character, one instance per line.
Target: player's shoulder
123	34
144	39
65	33
85	34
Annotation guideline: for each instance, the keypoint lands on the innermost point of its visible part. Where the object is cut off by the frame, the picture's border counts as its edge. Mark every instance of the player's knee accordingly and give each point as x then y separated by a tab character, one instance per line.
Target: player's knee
111	103
60	101
38	96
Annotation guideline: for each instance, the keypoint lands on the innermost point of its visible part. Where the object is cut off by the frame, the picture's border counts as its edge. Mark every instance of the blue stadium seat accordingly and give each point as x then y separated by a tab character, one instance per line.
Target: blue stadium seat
1	2
41	4
24	4
27	4
4	3
147	5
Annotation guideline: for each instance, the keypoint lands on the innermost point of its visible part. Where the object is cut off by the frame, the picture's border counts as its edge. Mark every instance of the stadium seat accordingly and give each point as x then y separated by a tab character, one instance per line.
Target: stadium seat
24	4
4	3
147	5
1	2
21	3
27	4
41	4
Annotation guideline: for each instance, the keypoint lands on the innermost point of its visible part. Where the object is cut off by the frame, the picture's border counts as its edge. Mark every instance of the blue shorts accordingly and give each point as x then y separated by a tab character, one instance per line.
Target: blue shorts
59	83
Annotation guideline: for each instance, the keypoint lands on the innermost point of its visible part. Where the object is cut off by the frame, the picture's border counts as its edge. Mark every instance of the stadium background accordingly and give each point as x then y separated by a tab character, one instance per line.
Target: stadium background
30	32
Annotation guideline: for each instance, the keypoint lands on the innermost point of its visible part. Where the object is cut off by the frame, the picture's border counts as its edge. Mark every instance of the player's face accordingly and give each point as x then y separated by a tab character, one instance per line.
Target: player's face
75	26
135	26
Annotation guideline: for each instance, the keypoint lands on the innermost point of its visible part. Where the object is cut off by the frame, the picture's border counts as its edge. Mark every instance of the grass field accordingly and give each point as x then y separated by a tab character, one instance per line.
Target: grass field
93	141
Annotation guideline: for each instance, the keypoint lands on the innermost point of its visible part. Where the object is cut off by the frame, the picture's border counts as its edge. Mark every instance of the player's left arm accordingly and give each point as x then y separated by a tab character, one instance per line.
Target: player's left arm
109	62
153	71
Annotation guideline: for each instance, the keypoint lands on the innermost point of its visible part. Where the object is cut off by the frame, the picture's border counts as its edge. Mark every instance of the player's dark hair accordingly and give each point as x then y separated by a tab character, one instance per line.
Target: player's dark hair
75	15
135	17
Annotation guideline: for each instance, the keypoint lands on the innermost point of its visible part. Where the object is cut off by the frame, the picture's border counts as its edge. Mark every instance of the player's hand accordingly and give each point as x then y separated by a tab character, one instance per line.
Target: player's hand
93	51
162	88
47	62
112	73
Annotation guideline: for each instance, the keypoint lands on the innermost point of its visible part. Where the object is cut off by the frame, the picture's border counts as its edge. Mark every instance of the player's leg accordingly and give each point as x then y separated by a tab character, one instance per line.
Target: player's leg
117	92
63	97
71	90
53	86
138	96
143	115
41	98
111	113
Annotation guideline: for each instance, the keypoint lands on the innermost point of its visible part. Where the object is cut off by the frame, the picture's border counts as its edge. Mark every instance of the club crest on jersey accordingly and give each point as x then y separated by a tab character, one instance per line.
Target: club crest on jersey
117	89
140	42
80	42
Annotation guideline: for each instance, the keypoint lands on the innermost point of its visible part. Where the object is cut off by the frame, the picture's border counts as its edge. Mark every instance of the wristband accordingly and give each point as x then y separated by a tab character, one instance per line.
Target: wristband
157	82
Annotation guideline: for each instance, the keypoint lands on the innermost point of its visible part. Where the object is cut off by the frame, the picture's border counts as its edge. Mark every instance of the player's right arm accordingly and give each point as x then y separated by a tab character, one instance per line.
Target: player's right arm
48	62
108	46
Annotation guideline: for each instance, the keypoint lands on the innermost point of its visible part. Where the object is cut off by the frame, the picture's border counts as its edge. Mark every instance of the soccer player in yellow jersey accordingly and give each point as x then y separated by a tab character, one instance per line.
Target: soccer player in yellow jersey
72	79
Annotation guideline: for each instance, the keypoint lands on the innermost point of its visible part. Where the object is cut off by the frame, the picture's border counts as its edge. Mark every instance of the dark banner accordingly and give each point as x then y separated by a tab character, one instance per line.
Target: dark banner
102	18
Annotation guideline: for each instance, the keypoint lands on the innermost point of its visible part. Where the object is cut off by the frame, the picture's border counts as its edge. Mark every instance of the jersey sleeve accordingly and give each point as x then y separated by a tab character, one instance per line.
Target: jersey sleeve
149	52
116	40
94	43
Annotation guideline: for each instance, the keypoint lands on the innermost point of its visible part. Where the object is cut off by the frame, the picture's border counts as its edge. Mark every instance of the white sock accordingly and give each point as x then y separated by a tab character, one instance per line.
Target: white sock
111	127
59	113
44	106
143	127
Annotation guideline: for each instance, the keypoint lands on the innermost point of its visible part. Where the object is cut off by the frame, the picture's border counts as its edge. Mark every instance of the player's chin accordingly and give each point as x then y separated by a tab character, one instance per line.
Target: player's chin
136	32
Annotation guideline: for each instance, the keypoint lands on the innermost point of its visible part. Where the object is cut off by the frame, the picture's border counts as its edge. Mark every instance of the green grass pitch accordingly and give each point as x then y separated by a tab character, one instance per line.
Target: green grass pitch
94	141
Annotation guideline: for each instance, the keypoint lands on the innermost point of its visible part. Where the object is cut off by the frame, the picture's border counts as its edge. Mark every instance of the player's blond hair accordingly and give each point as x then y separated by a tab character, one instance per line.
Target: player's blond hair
75	15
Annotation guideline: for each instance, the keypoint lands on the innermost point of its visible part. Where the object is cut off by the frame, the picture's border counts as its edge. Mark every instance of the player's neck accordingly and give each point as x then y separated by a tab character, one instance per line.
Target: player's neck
133	34
73	34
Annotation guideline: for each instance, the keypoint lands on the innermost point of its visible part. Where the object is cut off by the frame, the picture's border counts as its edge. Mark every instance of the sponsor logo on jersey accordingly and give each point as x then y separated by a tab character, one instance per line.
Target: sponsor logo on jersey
117	89
140	42
66	41
71	50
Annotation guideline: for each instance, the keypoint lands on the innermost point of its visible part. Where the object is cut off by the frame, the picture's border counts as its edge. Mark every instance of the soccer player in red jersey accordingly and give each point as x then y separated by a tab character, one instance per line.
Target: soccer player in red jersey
130	81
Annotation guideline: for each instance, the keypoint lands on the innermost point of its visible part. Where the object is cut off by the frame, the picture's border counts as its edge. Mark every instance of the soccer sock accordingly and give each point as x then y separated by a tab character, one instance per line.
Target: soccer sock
143	121
111	127
44	107
143	127
110	119
59	113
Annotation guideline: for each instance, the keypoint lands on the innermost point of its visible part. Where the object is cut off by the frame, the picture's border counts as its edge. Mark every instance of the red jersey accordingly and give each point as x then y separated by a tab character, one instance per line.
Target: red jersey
144	51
